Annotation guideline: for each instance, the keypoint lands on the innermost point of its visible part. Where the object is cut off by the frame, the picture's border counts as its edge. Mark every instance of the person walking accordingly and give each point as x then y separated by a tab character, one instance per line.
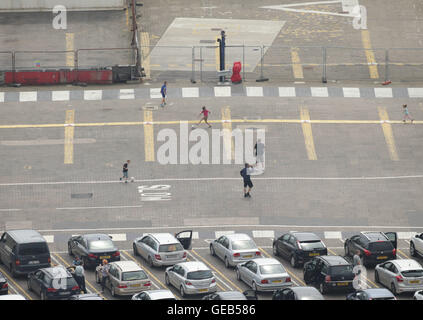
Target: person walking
406	113
259	152
125	171
104	269
205	114
247	180
163	91
79	275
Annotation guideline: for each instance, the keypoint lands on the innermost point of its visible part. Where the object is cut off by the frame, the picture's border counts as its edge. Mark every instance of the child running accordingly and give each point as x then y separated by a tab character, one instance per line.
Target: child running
406	114
205	114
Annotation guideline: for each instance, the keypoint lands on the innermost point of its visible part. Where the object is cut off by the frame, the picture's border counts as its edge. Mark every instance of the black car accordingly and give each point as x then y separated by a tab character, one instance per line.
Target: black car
4	287
86	296
53	283
329	273
297	293
374	247
299	247
232	295
93	248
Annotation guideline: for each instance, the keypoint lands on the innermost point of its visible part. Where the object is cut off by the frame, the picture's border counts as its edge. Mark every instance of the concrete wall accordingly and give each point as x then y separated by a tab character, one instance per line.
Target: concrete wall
71	5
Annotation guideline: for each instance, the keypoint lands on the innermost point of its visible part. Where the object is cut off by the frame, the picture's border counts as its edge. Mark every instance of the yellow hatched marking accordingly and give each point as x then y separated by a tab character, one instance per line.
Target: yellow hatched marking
70	59
228	142
69	134
16	285
297	67
148	136
145	53
308	134
389	135
371	61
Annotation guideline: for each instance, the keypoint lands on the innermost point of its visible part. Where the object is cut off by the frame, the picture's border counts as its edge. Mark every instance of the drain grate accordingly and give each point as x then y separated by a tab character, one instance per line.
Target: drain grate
81	195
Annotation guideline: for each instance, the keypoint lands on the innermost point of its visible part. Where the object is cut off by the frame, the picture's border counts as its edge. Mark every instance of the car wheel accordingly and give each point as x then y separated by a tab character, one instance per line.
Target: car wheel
227	262
167	279
212	251
393	289
412	250
293	261
97	277
42	295
135	250
70	250
275	251
28	283
322	289
377	277
182	291
150	261
254	286
238	275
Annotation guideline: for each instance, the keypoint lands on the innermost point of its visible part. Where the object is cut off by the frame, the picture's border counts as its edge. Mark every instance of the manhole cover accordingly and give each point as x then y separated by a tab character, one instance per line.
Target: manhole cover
81	195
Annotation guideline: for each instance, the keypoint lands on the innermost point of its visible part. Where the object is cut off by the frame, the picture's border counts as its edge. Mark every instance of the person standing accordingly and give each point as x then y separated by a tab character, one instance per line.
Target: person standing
205	114
80	276
125	171
406	113
357	259
163	91
259	152
247	180
104	269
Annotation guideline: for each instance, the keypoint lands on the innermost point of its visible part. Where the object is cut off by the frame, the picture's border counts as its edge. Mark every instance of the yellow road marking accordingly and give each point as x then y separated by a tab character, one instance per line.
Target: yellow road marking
365	37
70	57
403	254
127	16
9	278
86	281
69	134
389	135
297	67
290	273
148	136
228	142
308	134
145	53
220	273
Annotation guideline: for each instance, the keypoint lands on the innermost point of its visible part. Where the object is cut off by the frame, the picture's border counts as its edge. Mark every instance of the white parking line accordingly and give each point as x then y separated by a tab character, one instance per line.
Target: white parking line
263	234
118	236
49	238
218	234
406	235
333	234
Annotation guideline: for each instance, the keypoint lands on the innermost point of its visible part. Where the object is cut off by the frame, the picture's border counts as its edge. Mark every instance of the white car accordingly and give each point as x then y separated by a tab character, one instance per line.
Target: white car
400	275
416	245
418	295
154	295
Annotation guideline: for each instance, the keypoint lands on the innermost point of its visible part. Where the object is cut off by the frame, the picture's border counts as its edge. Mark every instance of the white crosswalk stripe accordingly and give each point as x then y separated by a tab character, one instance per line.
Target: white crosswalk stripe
415	92
49	238
287	92
126	94
254	91
263	234
406	235
222	91
155	93
1	96
218	234
118	236
319	92
28	96
351	92
93	94
190	92
60	96
333	234
383	93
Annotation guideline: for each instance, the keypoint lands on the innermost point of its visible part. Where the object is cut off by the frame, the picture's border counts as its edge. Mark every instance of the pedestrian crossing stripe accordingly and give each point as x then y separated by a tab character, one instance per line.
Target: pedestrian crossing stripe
127	94
351	92
254	91
190	92
60	95
319	92
155	93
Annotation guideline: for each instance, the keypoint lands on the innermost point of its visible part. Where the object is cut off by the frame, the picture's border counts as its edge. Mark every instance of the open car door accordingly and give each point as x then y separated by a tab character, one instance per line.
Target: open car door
392	236
185	238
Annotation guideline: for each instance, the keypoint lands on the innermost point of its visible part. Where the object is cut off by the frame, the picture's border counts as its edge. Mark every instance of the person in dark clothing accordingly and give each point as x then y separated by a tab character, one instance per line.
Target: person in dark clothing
247	180
125	171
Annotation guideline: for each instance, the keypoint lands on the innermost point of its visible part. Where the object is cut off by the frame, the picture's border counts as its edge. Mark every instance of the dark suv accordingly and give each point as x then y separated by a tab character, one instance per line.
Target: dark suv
329	273
374	247
4	287
24	251
299	247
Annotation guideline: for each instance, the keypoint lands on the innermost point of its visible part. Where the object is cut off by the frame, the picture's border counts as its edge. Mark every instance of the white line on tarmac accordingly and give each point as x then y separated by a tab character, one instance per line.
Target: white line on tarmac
10	210
110	207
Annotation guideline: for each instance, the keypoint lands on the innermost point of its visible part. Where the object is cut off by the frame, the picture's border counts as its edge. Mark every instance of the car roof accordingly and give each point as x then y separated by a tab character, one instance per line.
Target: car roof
378	292
266	261
26	236
238	236
193	266
305	236
96	236
307	292
335	260
407	264
375	236
164	238
160	294
52	271
231	295
127	266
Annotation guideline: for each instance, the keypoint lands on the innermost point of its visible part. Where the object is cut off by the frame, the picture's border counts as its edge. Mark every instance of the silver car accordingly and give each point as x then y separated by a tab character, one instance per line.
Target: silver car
400	275
154	295
191	277
234	248
263	274
163	249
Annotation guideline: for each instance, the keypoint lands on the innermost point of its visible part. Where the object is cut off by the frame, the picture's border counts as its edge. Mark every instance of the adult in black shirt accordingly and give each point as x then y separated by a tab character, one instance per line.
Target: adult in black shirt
247	180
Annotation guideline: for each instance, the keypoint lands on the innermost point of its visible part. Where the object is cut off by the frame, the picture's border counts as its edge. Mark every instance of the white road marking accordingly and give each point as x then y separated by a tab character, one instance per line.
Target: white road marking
155	93
406	235
190	92
288	7
254	91
195	235
263	234
10	210
49	238
383	93
333	234
118	236
110	207
93	94
1	96
321	92
60	95
218	234
28	96
126	94
222	91
351	92
287	92
415	92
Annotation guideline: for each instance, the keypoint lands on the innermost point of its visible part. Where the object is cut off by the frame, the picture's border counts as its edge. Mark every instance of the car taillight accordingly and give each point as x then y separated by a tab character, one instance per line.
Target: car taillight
17	262
236	255
116	254
147	284
213	281
188	283
157	256
264	281
288	279
4	286
367	252
185	255
75	288
49	260
399	278
327	279
258	253
51	290
394	252
92	256
122	286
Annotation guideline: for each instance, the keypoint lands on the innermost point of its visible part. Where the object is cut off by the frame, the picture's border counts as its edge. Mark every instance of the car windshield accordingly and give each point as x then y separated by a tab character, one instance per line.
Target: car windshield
33	248
243	245
101	245
199	275
272	269
171	247
381	246
310	245
134	275
413	273
340	270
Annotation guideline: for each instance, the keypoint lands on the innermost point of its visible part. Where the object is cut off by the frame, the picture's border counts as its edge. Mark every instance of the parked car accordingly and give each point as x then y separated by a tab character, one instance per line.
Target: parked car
191	277
416	245
93	248
297	293
329	273
24	251
374	247
372	294
12	297
263	274
400	275
299	247
125	278
154	295
418	295
53	283
163	249
4	287
234	248
232	295
86	296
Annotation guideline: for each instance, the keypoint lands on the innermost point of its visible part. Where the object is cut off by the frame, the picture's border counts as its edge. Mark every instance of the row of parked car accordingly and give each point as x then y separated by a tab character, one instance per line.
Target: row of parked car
25	252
